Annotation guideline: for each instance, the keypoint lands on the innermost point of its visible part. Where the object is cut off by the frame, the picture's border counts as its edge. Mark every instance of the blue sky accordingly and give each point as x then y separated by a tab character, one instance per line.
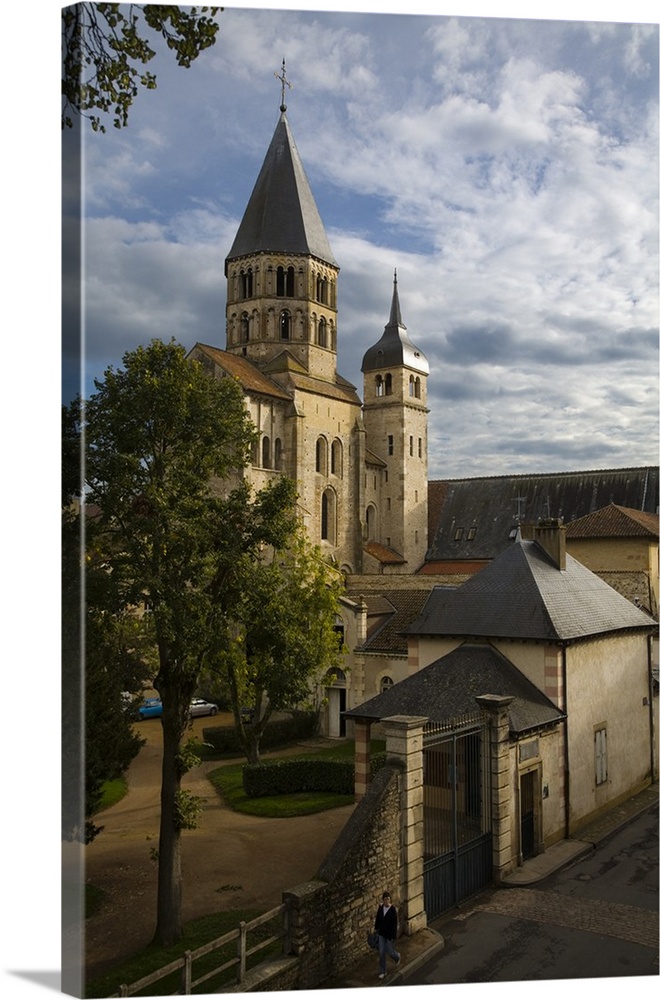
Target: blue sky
507	168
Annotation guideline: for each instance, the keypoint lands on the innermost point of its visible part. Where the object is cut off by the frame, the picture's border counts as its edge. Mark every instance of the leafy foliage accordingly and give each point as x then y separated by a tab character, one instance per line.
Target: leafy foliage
106	48
114	658
280	634
158	431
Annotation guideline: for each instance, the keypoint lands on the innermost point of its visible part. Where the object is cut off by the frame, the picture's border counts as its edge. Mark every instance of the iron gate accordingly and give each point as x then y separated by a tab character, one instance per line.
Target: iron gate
457	814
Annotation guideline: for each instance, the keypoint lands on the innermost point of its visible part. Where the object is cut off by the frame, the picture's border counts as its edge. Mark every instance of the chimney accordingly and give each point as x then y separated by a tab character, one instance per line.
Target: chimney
550	533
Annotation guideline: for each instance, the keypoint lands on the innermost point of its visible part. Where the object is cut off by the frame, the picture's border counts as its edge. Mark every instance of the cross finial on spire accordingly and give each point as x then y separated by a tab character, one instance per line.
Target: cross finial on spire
285	83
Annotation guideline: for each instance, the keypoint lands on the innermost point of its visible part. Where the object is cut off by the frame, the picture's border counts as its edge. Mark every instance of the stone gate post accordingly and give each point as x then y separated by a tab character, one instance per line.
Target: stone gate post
404	737
496	707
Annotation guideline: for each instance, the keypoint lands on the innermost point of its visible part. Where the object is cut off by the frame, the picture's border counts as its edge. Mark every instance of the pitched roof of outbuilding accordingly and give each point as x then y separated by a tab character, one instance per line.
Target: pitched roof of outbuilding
614	521
281	215
448	688
391	612
522	595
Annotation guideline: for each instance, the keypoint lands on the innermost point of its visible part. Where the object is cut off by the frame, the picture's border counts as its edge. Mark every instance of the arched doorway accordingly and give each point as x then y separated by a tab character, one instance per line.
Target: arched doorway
335	689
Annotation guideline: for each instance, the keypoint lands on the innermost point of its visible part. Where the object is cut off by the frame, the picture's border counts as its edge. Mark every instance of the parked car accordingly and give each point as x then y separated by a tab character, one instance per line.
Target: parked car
151	708
200	707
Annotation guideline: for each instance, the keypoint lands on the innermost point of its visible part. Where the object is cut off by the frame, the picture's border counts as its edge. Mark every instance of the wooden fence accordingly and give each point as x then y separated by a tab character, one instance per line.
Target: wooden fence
240	961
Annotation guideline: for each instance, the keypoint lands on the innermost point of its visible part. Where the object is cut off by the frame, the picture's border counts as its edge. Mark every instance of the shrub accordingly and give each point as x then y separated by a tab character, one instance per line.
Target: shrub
296	725
295	774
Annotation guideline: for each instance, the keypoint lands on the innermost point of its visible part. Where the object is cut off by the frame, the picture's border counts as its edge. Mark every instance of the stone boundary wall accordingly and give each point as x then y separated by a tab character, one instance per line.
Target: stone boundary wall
332	915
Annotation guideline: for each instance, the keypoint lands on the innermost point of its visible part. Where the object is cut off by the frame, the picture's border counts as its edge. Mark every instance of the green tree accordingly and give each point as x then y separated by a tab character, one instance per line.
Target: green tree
106	47
162	436
281	636
114	662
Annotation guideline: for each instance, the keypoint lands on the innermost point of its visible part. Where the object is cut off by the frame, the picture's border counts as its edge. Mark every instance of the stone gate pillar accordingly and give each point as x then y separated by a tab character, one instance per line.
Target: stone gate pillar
404	737
362	757
497	708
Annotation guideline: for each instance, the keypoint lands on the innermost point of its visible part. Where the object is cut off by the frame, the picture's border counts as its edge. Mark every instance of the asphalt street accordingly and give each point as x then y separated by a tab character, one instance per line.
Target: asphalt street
598	918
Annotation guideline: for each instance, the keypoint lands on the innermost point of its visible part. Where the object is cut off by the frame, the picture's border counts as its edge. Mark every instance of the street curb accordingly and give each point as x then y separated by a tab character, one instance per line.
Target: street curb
402	974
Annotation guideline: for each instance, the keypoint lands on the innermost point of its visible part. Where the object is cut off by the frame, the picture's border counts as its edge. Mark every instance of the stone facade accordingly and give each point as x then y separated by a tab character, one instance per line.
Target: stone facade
361	472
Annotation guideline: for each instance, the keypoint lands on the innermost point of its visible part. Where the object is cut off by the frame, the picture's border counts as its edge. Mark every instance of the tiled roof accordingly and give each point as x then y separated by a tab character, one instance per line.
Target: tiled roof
250	377
340	388
395	612
614	521
383	553
522	595
491	505
449	687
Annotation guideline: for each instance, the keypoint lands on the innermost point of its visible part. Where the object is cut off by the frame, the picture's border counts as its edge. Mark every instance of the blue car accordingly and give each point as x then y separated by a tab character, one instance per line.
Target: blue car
151	708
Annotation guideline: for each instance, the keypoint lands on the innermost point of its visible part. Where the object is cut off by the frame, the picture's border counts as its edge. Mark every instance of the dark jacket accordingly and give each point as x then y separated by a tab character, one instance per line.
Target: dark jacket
386	923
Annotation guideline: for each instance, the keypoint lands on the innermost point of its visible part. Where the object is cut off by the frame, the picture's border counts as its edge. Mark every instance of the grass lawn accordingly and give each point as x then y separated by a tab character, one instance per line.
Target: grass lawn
228	781
113	792
196	933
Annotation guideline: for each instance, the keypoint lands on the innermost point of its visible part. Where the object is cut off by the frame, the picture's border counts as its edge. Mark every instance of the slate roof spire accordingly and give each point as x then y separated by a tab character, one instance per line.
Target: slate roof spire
395	346
281	215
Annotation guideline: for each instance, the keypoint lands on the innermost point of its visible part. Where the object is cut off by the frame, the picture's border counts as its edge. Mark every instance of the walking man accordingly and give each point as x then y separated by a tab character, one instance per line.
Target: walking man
385	926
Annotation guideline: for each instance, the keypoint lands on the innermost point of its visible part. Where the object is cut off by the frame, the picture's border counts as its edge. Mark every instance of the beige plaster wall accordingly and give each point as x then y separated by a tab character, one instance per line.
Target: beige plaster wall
607	686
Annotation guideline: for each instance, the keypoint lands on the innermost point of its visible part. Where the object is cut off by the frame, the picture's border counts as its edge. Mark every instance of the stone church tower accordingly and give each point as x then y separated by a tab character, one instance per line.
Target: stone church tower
395	419
362	501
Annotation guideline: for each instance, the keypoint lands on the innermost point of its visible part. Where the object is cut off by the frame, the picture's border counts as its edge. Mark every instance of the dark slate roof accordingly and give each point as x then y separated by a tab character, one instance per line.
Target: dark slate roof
448	688
523	595
281	215
614	521
490	506
395	347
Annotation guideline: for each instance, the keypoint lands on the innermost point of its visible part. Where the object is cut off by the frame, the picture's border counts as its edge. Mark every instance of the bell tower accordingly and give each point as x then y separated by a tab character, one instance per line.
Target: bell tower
396	422
281	272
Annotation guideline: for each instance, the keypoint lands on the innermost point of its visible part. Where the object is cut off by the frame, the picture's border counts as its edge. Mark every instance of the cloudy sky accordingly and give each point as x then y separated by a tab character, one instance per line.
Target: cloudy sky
506	168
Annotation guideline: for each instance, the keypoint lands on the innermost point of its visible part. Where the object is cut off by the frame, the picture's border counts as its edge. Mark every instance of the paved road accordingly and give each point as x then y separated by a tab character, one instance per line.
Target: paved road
597	918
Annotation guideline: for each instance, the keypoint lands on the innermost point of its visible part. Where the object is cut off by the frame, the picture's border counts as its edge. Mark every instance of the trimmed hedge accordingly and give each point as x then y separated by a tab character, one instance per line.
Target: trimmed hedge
290	775
295	726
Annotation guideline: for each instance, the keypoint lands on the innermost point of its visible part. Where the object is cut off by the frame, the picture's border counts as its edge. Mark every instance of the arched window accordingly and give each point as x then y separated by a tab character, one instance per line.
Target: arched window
336	457
322	335
371	523
418	388
278	453
280	281
388	384
328	516
290	281
322	455
246	284
321	289
380	388
245	328
411	386
265	452
386	683
285	325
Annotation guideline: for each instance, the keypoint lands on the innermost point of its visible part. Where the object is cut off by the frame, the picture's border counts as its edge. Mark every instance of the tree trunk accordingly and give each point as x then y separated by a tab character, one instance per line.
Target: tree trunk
176	697
169	927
